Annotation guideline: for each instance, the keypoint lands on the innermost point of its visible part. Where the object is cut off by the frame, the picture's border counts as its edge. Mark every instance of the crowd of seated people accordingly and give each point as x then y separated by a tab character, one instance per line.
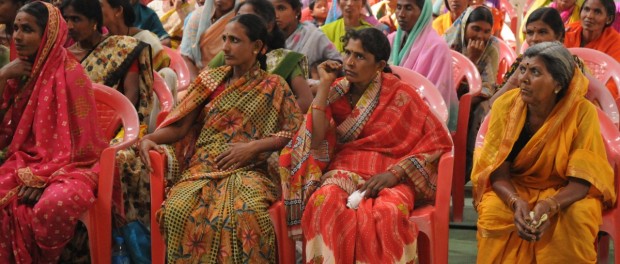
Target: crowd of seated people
290	102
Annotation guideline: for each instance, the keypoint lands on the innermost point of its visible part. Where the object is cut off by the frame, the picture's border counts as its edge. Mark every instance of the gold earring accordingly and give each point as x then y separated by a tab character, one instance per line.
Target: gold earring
557	91
255	52
95	27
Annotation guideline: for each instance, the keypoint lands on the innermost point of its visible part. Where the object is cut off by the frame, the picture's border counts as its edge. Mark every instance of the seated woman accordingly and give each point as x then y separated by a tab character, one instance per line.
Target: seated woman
244	113
366	132
172	13
385	12
202	35
416	46
303	37
291	66
594	32
471	36
569	10
538	195
9	11
455	10
352	18
49	140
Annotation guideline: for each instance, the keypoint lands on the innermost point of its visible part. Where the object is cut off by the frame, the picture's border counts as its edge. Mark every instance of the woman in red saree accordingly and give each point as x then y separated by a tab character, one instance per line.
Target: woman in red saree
49	140
369	132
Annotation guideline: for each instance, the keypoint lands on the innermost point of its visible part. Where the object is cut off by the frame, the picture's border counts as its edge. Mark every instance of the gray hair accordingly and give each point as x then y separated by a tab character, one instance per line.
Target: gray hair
558	60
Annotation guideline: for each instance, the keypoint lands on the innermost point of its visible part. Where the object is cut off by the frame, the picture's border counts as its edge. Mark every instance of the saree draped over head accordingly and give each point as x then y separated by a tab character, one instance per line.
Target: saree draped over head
310	41
160	56
568	16
390	126
336	30
606	43
488	64
49	139
202	37
221	216
426	53
569	144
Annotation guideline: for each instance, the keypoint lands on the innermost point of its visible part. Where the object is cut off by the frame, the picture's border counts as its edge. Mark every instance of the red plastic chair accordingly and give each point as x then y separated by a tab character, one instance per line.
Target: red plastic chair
166	101
611	217
114	109
433	220
425	89
600	95
601	65
285	245
463	68
178	65
507	56
507	7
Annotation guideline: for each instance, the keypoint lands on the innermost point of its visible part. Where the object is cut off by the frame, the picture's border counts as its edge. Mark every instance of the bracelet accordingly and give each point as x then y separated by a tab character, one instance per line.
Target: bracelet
395	172
318	107
514	197
552	201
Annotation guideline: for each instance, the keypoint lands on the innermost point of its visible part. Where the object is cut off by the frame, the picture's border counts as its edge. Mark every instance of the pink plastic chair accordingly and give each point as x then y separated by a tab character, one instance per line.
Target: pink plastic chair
425	89
285	245
433	220
600	95
601	65
178	65
463	68
114	110
611	217
166	101
507	56
507	7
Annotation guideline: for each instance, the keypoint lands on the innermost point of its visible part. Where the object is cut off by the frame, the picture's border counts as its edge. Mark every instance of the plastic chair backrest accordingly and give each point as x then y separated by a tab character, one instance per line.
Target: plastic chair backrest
178	65
463	68
600	65
166	101
600	95
425	89
506	57
114	110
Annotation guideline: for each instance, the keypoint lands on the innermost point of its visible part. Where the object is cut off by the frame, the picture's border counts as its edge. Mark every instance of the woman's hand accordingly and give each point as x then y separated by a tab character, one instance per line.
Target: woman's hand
328	71
237	156
542	207
378	182
475	49
522	221
16	69
145	146
29	195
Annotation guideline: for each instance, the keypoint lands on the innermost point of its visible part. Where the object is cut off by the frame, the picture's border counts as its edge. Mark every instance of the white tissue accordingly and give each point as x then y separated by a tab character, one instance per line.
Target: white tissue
354	199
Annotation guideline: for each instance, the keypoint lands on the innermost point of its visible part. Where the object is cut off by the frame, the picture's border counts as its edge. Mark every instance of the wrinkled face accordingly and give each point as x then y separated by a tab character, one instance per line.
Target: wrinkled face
536	83
286	16
360	66
27	36
320	9
238	48
479	30
457	6
223	6
407	14
594	16
8	11
537	32
79	26
351	8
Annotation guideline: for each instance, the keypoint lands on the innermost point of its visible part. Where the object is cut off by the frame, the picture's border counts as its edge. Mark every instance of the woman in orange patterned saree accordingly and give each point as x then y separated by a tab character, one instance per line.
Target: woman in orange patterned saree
542	158
49	140
369	132
216	211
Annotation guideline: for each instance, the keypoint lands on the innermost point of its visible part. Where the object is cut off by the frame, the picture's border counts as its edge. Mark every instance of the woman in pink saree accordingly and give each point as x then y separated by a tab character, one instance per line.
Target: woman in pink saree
49	140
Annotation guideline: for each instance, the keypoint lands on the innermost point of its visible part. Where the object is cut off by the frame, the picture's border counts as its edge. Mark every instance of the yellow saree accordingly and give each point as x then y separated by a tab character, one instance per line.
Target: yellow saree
567	145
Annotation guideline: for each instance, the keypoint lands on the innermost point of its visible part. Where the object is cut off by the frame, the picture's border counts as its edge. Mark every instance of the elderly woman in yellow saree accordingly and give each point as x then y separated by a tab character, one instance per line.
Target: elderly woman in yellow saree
216	211
541	178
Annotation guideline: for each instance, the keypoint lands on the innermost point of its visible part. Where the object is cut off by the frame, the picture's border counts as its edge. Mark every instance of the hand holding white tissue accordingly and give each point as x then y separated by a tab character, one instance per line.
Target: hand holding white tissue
354	199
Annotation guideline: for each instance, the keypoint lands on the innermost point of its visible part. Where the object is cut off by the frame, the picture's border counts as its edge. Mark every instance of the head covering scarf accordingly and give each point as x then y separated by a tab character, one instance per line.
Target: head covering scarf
48	127
423	21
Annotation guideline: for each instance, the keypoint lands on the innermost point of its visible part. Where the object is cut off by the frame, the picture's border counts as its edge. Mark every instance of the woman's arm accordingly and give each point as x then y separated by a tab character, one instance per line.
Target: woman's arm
15	69
327	72
240	154
131	87
302	91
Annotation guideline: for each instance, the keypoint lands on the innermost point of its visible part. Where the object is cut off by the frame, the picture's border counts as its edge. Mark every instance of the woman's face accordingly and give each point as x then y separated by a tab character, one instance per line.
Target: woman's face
351	8
360	66
249	9
79	26
286	16
8	11
238	48
562	5
594	16
536	83
538	31
458	6
223	6
407	14
27	36
478	30
111	15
